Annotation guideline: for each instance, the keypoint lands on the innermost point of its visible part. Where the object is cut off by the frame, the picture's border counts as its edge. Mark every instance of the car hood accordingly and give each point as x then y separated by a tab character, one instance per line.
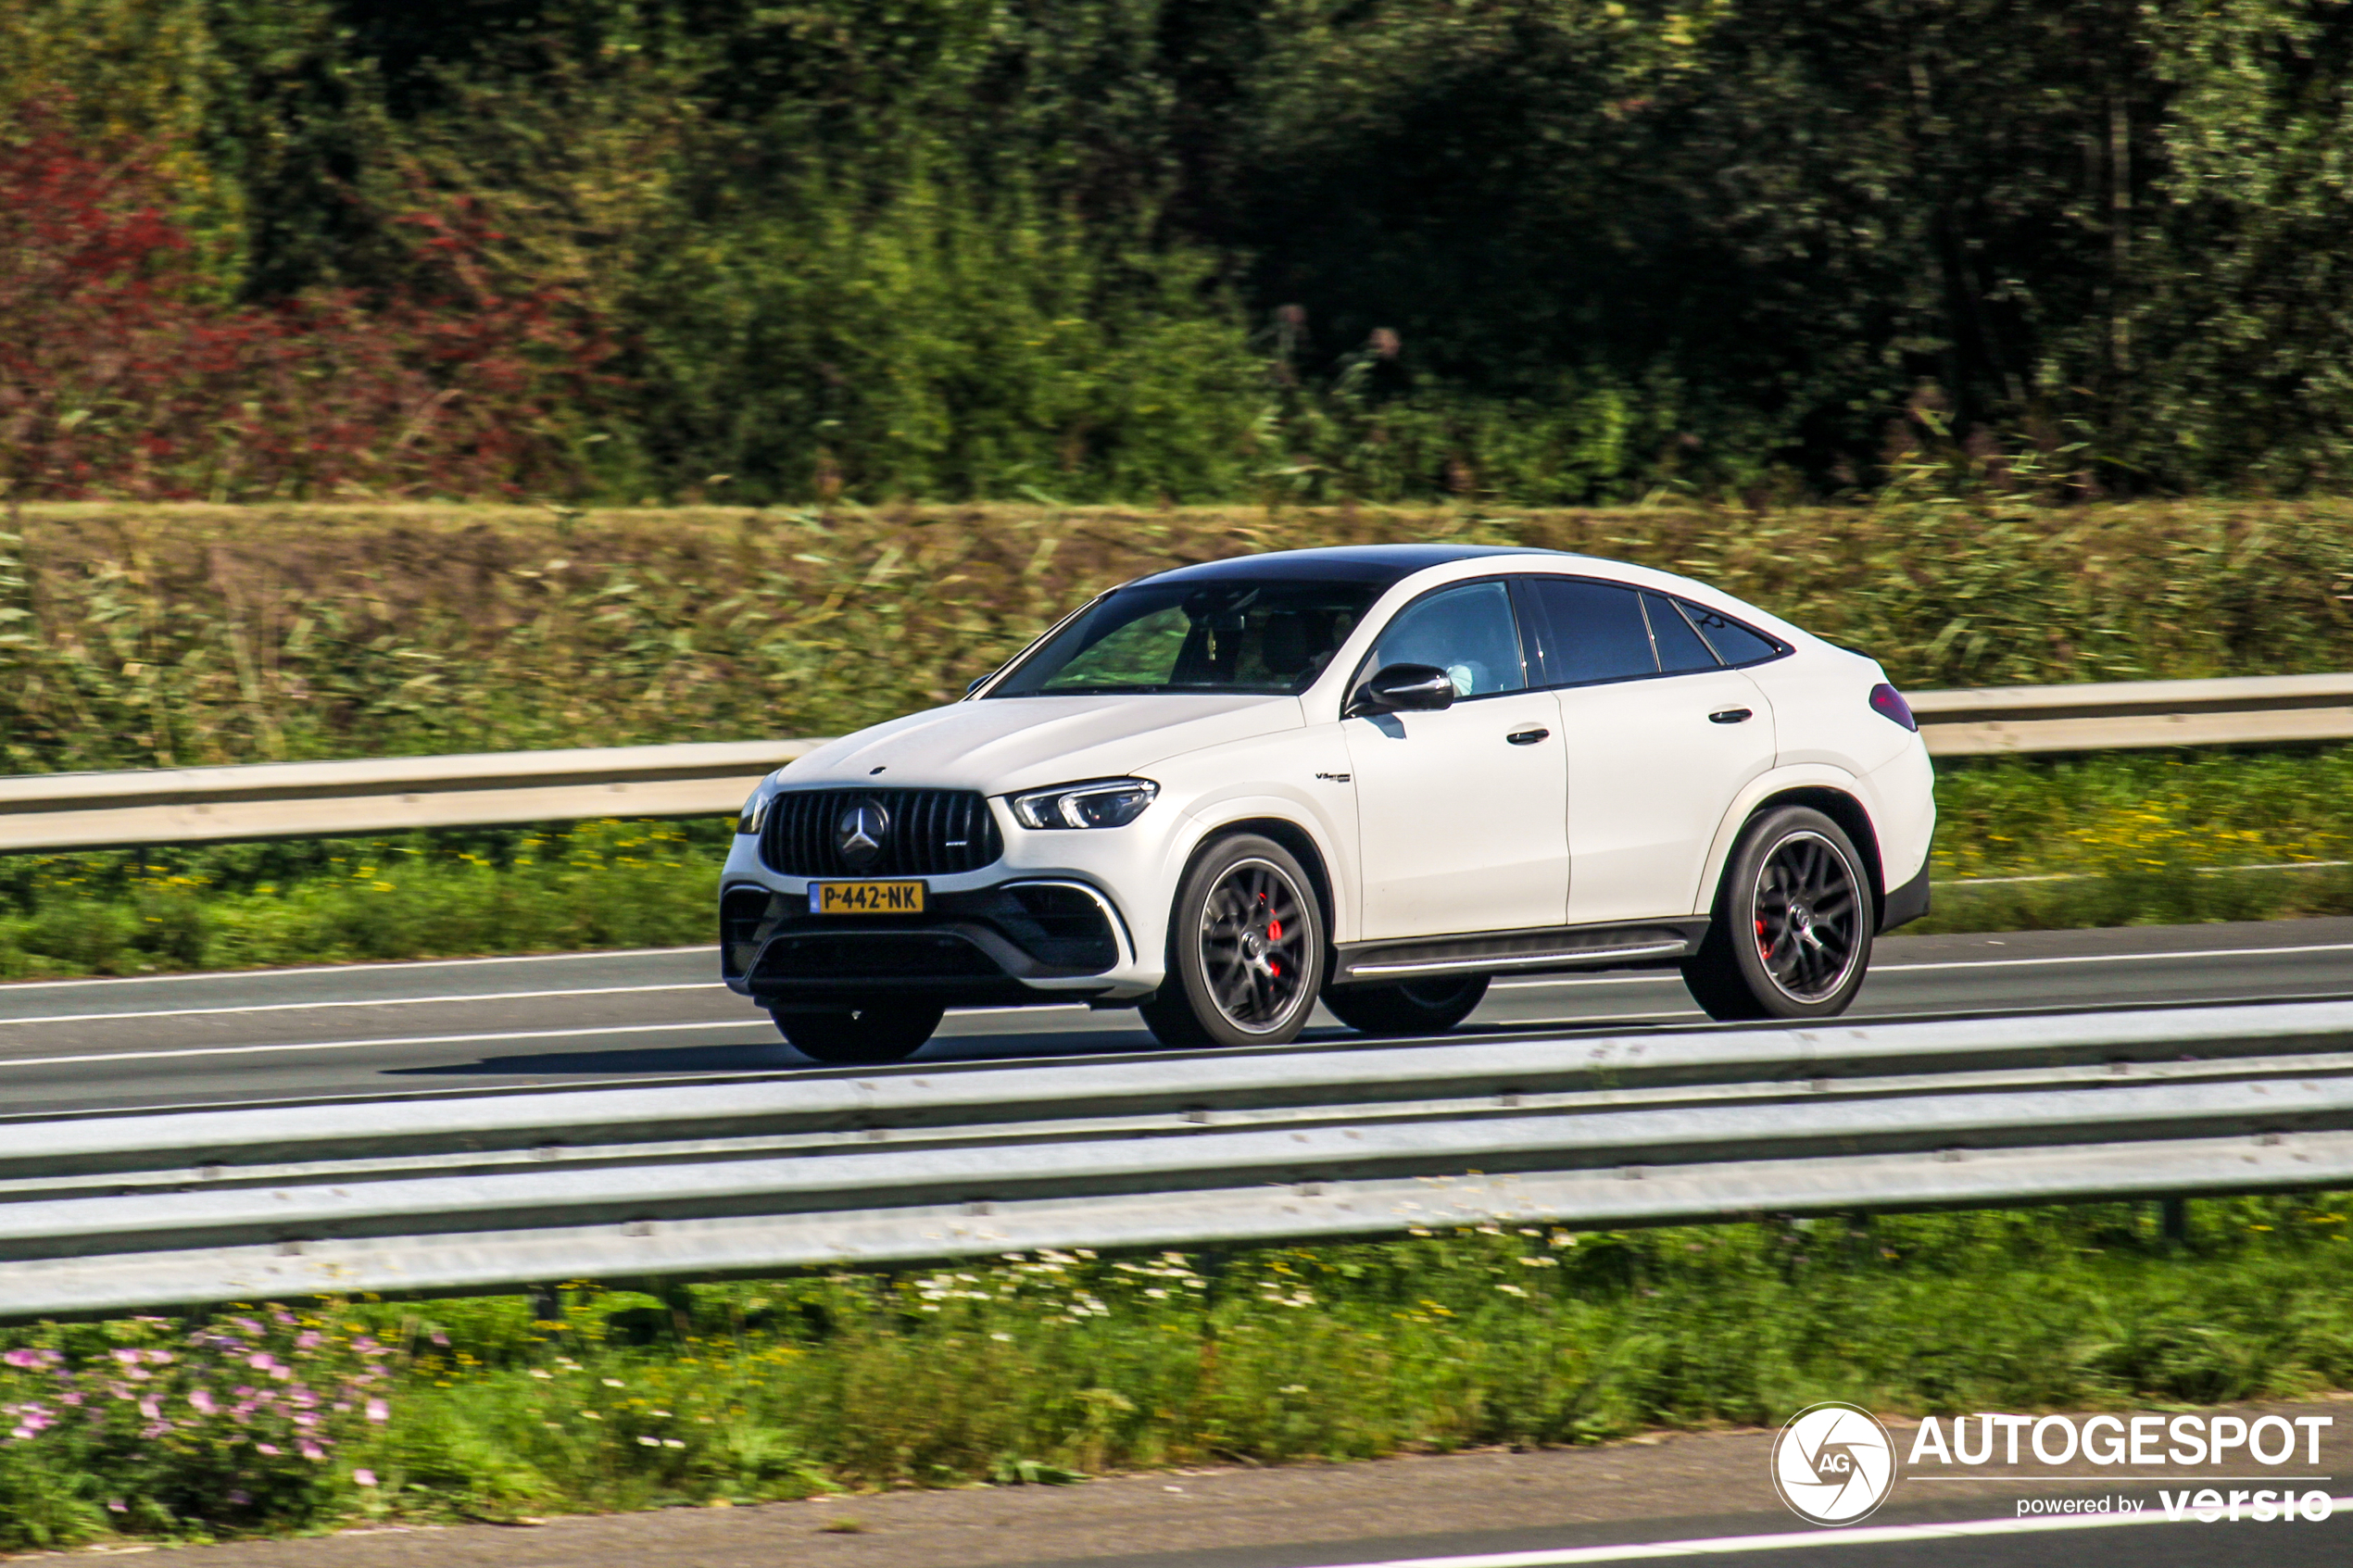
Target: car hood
1004	743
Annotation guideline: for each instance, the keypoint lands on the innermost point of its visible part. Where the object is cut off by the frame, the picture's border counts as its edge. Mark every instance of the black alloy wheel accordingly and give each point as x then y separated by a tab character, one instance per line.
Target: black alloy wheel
1807	900
867	1035
1409	1007
1792	926
1246	949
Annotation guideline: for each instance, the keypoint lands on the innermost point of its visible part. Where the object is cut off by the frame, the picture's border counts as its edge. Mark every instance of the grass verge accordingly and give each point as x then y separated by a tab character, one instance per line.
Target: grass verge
561	888
1055	1367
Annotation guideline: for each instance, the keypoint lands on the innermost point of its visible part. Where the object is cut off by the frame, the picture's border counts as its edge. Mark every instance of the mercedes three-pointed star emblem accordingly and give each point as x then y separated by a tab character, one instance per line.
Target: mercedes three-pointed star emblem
859	835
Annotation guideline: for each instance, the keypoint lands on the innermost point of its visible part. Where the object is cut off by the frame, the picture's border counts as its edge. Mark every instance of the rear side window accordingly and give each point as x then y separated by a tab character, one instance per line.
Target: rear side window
1733	643
1590	631
1679	648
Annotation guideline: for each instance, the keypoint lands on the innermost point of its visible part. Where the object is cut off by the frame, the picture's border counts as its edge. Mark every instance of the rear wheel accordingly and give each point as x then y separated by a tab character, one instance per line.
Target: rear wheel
1411	1006
1246	949
870	1032
1794	920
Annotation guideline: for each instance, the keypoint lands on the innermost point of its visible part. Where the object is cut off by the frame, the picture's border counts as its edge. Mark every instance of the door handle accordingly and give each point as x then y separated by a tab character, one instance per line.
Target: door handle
1729	715
1527	737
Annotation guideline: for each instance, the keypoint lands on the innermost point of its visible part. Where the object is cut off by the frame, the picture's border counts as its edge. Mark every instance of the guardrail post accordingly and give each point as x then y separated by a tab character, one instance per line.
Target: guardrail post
2173	1220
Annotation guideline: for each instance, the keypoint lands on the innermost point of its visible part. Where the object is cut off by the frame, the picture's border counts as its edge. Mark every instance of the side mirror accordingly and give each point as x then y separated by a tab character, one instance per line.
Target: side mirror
1405	688
976	683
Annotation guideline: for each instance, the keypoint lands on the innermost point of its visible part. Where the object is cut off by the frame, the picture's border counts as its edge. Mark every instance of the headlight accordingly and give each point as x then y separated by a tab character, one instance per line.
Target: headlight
755	811
1106	803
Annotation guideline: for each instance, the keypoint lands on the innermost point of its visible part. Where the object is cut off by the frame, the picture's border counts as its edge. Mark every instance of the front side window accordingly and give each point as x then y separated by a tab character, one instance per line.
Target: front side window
1467	631
1270	637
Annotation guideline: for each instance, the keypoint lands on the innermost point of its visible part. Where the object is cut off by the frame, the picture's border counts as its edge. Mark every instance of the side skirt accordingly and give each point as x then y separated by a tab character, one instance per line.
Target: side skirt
1555	948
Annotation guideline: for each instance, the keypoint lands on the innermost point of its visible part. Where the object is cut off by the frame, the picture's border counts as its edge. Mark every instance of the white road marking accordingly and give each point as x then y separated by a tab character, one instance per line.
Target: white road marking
2119	958
1866	1534
1669	976
361	1045
372	1002
397	965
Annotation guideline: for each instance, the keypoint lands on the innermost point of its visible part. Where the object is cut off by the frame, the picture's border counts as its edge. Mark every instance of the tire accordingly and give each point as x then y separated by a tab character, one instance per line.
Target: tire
1410	1007
1769	954
1245	949
865	1035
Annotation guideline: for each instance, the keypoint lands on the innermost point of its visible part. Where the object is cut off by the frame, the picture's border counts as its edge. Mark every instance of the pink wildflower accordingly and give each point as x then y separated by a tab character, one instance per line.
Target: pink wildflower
363	1477
378	1412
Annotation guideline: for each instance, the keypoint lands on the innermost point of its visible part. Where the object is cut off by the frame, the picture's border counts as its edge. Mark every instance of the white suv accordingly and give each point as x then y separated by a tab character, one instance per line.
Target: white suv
1374	776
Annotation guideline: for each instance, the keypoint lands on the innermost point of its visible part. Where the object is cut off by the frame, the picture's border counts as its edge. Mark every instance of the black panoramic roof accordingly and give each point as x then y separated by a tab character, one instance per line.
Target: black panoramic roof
1383	564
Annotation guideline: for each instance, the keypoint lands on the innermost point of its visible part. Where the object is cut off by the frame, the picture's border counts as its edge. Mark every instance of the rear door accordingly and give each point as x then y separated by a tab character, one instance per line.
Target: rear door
1659	736
1462	813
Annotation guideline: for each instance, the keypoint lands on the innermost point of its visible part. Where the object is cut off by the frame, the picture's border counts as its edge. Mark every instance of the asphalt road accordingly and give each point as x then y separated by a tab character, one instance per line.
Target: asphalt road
615	1018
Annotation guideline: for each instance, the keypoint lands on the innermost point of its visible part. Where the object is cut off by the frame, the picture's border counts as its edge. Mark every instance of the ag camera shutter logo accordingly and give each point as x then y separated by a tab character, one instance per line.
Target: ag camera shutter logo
1833	1463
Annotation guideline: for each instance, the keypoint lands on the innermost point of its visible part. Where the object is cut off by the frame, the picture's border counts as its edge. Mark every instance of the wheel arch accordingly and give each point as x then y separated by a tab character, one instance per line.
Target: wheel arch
1832	799
1297	839
1844	810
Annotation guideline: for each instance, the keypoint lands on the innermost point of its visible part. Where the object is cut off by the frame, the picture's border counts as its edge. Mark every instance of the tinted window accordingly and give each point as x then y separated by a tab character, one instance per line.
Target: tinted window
1592	630
1679	648
1733	643
1243	636
1467	631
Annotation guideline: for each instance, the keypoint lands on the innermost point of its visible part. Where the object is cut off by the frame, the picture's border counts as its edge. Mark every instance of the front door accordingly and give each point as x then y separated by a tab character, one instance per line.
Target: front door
1461	814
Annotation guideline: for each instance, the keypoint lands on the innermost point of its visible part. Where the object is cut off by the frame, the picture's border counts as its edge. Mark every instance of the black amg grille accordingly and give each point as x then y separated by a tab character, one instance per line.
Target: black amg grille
931	833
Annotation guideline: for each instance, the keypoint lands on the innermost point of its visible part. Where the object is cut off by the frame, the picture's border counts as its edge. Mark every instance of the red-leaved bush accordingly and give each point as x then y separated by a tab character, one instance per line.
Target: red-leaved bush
119	376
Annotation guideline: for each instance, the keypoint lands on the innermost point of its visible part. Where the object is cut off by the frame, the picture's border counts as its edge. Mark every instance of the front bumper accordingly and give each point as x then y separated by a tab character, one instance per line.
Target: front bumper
1019	940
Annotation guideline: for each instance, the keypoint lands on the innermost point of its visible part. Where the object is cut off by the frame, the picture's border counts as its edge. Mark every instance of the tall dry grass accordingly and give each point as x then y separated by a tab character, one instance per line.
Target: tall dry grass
149	635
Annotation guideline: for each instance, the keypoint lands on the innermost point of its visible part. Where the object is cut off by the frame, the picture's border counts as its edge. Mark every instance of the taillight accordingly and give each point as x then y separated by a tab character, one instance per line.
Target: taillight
1888	703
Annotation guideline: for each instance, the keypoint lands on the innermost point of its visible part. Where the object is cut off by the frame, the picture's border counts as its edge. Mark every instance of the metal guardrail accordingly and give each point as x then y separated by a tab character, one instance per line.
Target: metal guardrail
398	794
2264	709
382	793
117	1212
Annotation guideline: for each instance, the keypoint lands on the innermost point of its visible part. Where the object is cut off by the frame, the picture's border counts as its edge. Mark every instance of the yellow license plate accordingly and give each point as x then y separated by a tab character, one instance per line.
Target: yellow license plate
865	897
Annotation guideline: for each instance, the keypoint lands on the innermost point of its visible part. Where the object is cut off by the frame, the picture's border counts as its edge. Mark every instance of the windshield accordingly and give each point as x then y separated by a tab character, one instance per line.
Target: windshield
1274	637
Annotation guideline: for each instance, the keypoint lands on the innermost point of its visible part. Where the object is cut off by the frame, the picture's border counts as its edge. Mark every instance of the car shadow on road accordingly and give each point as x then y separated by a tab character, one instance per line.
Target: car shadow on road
775	1055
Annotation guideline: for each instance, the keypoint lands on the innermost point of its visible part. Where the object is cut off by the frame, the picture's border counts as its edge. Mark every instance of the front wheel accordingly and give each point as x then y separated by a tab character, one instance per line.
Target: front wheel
1245	949
867	1034
1410	1007
1793	918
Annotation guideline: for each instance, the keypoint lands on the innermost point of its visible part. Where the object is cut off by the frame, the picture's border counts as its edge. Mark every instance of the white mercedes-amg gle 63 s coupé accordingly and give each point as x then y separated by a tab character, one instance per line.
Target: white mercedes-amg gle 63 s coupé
1370	776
